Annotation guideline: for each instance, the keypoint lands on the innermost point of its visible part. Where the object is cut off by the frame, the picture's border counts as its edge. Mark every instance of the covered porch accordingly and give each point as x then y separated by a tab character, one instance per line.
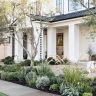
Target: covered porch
69	40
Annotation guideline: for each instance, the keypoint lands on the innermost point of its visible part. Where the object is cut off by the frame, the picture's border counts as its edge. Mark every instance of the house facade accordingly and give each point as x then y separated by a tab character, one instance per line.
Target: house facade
64	35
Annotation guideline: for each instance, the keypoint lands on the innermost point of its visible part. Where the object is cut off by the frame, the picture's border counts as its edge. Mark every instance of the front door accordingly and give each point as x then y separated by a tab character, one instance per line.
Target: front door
59	45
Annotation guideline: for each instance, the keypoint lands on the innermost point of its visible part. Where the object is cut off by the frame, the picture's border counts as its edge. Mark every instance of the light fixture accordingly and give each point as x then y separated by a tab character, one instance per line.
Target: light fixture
45	31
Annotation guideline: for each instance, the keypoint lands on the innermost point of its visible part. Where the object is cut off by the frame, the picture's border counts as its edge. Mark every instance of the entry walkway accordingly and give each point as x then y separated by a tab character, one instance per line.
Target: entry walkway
12	89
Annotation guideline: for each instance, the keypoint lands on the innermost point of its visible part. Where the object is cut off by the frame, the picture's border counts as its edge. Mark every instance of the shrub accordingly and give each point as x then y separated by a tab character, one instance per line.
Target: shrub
32	82
21	74
54	87
31	78
85	85
44	70
3	75
36	62
87	94
42	82
25	63
94	84
10	76
9	68
53	80
70	91
60	79
8	60
1	67
27	70
72	76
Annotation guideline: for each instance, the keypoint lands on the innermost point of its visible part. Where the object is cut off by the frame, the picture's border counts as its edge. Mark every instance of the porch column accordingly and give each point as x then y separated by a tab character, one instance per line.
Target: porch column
18	47
9	47
73	42
51	42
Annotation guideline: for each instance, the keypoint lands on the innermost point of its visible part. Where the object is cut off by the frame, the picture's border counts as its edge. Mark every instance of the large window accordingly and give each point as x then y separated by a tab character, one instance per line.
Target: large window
59	6
74	5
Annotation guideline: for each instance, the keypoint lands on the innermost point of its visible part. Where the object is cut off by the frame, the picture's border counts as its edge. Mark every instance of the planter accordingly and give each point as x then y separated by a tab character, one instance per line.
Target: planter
90	58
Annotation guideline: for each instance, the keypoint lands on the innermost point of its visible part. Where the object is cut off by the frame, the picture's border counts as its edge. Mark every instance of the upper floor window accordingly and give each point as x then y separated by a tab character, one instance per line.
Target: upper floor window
91	3
59	5
37	7
74	5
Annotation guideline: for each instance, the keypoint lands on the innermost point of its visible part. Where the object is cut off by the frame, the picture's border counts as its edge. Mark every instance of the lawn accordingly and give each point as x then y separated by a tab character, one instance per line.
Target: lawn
1	94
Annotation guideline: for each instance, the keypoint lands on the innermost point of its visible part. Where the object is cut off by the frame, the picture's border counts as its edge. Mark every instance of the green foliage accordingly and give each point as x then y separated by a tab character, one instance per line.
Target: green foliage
25	63
70	91
53	80
54	87
36	62
21	74
72	76
87	94
10	76
60	79
1	67
42	82
94	84
8	60
31	78
27	70
1	94
9	68
85	85
44	70
32	82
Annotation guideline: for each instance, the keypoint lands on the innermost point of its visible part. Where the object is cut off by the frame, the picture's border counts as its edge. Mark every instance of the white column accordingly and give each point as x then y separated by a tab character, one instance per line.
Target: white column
9	47
29	46
74	42
18	47
36	33
51	42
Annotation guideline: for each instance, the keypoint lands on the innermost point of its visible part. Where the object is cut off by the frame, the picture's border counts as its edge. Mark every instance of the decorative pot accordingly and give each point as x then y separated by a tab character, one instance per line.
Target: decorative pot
90	58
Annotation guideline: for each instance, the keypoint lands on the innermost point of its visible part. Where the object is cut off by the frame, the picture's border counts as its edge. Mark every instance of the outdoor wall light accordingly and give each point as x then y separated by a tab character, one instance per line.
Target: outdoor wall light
45	31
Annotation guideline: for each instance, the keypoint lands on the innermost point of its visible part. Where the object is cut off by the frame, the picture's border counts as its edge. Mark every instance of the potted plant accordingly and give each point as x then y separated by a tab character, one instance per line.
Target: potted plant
90	52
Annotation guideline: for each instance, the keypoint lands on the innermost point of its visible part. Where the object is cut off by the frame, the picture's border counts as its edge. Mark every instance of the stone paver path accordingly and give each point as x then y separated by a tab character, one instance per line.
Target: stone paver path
12	89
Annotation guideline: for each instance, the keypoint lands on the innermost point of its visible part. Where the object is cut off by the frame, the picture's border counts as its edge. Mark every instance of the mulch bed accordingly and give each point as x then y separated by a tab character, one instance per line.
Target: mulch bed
34	87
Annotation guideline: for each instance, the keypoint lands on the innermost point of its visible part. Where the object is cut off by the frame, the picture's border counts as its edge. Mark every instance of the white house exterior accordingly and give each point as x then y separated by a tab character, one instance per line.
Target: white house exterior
64	37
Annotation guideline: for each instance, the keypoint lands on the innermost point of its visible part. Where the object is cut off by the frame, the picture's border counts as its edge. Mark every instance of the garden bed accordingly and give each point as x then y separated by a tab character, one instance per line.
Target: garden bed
34	87
71	80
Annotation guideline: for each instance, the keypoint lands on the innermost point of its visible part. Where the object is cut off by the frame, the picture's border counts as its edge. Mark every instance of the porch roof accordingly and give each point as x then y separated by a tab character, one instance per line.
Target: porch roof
72	15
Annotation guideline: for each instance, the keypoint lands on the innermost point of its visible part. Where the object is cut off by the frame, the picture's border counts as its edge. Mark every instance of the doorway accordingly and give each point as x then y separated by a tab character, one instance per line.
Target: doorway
59	45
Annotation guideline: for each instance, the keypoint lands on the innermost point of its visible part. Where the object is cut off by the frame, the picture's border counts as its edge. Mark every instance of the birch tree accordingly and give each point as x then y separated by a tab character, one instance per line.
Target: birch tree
15	15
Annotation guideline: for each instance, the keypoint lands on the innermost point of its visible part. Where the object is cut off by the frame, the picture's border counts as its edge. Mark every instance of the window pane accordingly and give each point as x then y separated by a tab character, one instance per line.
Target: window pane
57	2
74	5
60	1
59	5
